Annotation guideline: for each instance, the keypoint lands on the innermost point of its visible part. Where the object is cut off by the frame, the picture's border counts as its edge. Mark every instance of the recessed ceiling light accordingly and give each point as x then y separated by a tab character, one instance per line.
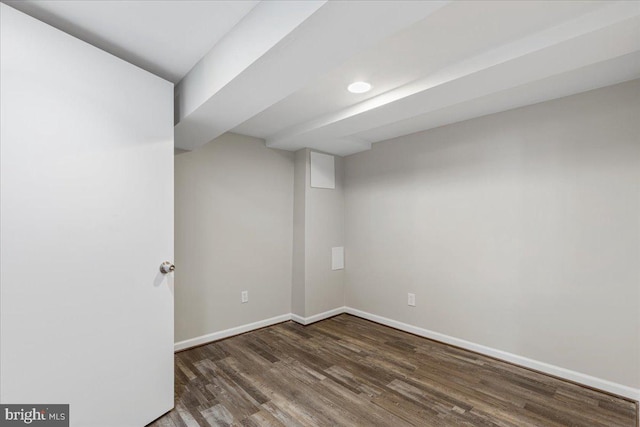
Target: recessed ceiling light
359	87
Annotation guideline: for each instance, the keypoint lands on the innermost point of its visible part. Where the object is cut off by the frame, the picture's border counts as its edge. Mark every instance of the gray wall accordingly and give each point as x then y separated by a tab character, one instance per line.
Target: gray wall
301	174
324	230
234	228
318	226
519	231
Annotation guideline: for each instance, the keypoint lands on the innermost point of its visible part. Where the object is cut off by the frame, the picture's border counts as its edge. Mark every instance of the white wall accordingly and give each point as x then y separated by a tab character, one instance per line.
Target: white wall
519	231
234	228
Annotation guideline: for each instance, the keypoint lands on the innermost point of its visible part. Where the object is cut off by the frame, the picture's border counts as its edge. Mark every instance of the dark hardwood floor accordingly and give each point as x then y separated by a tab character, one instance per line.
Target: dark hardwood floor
347	371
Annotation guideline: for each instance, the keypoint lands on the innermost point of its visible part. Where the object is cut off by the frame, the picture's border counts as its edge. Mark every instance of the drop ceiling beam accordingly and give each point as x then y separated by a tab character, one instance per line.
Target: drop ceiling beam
260	30
566	48
297	49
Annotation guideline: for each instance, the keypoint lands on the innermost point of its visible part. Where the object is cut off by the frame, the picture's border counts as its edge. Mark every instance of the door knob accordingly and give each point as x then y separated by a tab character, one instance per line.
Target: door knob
167	267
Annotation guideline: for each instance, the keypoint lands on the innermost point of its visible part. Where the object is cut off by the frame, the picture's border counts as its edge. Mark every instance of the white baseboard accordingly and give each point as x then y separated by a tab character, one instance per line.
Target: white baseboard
298	319
204	339
317	317
580	378
577	377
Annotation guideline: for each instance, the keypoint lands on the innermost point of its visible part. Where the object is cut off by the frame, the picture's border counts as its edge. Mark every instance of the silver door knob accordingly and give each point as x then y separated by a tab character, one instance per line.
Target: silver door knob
167	267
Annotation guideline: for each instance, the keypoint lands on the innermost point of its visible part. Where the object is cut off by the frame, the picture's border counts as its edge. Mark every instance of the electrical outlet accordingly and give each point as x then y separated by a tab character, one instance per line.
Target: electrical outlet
244	296
411	300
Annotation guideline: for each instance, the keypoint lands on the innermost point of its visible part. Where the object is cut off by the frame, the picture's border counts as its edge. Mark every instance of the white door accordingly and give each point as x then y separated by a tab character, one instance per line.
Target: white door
86	219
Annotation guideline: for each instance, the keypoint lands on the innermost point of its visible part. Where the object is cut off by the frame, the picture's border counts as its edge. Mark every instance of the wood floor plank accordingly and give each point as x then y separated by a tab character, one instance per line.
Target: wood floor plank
347	371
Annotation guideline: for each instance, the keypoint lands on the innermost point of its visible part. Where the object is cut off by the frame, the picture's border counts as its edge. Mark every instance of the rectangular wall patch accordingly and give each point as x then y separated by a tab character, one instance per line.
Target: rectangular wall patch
322	171
337	258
